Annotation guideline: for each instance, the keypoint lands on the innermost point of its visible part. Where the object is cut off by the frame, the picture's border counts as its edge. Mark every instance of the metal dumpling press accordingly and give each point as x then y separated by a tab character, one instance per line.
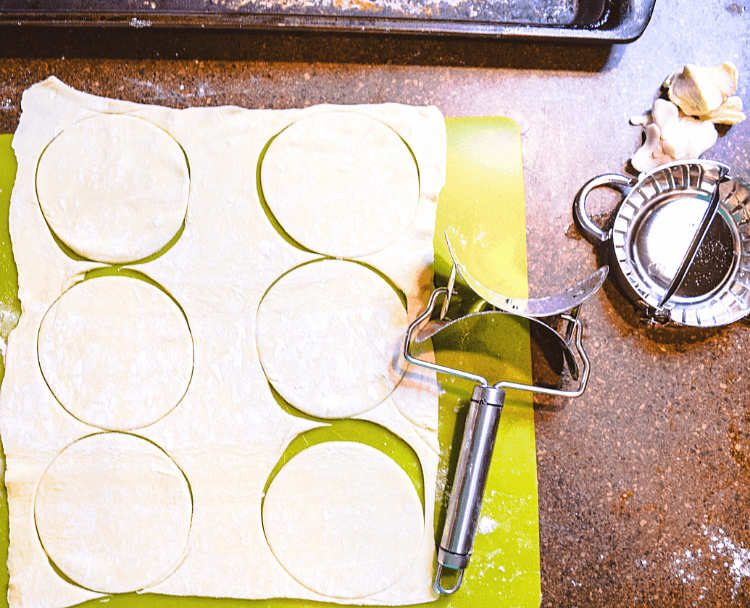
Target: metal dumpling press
487	400
680	241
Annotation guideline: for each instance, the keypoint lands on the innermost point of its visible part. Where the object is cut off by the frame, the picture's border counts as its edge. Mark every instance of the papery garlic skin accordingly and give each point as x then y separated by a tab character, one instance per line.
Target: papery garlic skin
728	113
698	91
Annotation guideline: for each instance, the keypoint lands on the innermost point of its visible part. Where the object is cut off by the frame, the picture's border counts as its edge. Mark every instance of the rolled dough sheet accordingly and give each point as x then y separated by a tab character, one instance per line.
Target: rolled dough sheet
228	432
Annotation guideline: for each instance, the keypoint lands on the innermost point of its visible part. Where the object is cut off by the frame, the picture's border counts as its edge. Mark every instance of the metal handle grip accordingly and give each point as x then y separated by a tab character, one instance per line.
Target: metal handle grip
469	482
588	225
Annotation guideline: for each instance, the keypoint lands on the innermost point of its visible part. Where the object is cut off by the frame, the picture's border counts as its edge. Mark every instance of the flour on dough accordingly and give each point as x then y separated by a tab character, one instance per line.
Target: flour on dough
113	513
330	335
113	188
343	519
341	184
116	352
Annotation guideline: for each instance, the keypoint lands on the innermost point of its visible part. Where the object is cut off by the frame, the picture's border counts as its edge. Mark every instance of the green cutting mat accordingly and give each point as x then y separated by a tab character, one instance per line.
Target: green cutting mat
482	208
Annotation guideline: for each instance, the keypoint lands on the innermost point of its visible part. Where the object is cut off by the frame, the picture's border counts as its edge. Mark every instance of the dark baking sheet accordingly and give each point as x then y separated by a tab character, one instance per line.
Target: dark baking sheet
603	20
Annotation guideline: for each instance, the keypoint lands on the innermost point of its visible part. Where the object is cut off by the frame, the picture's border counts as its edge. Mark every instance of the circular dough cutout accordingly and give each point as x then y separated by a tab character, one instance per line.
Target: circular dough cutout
116	352
343	519
113	513
329	336
114	188
341	184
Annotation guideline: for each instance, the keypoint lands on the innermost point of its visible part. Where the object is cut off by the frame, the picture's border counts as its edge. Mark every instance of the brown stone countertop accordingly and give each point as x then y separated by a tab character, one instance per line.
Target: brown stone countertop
644	482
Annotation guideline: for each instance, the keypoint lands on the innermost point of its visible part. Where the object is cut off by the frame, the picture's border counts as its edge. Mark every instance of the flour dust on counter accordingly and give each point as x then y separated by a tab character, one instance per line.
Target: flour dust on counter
148	449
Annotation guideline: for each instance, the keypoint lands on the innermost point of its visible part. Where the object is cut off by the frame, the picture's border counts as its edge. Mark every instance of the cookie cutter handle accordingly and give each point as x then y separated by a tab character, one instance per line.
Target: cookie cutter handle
465	504
611	180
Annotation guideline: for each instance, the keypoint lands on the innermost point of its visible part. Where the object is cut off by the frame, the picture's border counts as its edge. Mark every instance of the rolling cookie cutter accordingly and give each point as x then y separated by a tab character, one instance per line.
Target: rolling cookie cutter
487	399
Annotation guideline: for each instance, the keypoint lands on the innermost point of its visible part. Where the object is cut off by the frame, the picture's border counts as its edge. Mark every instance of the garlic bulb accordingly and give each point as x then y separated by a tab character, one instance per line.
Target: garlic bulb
683	126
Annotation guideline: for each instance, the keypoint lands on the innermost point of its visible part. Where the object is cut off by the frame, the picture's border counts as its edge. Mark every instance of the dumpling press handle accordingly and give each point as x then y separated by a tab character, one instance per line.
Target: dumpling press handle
611	180
469	482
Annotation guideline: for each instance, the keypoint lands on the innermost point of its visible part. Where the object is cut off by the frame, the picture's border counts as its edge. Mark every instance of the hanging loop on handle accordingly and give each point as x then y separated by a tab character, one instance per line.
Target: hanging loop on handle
611	180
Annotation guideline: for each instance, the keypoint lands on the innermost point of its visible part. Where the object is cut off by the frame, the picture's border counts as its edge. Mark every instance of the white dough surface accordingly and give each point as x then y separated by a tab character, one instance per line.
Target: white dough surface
330	336
343	519
113	188
355	175
116	376
113	512
227	433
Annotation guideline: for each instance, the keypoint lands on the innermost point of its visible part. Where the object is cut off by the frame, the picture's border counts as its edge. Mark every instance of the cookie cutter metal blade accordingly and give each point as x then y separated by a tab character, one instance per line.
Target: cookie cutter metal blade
535	307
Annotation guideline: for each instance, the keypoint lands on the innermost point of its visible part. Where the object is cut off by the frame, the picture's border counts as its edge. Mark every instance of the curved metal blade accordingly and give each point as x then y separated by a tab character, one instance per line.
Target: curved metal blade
540	307
433	327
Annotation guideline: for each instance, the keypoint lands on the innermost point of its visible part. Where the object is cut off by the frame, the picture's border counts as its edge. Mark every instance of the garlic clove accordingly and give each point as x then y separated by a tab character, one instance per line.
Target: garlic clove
667	116
674	142
643	159
664	113
700	136
641	119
